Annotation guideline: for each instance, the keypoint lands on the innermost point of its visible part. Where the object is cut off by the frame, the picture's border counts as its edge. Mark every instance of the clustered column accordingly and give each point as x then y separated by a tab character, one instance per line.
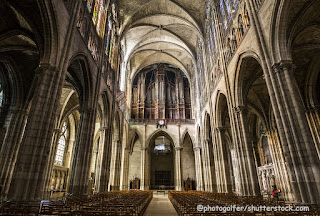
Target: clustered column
296	140
10	147
178	181
198	164
249	178
82	158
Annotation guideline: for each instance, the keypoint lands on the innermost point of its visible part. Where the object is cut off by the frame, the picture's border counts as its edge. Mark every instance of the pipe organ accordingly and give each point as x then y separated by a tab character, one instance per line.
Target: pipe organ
161	91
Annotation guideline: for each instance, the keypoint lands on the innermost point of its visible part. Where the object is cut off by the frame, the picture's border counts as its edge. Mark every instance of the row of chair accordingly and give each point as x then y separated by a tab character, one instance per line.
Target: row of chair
106	203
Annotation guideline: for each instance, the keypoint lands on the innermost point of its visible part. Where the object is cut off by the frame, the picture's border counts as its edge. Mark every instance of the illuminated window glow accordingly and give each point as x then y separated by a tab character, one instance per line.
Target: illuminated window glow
61	145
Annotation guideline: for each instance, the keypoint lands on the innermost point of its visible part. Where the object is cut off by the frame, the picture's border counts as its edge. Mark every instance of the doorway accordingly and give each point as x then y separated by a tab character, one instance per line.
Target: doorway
162	164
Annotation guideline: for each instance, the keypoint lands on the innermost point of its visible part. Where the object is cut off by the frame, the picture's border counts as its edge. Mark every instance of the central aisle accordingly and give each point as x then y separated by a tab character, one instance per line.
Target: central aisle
160	205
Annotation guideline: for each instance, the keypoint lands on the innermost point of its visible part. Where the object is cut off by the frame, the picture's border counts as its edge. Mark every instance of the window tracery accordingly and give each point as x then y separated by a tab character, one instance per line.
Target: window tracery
62	144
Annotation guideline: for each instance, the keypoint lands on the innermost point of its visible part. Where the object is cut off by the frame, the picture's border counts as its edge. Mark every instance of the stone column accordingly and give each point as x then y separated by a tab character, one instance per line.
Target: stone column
104	157
113	165
211	169
57	184
178	178
299	149
197	157
124	181
314	124
214	164
206	167
223	152
143	168
63	180
282	180
177	113
11	145
54	144
248	162
30	174
83	153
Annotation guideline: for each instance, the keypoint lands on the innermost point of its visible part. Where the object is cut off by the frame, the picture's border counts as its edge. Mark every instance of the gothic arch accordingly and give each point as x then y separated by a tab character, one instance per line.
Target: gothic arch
221	106
186	133
312	83
133	140
106	108
13	80
285	24
116	128
278	33
244	60
207	126
79	75
157	133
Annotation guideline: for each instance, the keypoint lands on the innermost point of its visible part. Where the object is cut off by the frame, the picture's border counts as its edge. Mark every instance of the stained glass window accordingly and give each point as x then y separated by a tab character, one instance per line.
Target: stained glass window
101	25
111	45
96	11
235	3
62	144
214	36
228	7
208	10
1	93
89	5
109	27
223	14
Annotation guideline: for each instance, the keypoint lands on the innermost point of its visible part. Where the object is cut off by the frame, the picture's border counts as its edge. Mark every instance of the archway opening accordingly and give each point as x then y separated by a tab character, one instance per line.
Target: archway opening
209	165
188	170
162	169
64	140
228	146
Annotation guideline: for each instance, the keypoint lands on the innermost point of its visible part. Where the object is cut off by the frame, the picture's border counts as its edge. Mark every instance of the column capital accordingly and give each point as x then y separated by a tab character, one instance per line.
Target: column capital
312	108
198	148
16	110
239	109
103	128
278	67
220	129
89	110
178	148
45	67
144	148
57	130
286	64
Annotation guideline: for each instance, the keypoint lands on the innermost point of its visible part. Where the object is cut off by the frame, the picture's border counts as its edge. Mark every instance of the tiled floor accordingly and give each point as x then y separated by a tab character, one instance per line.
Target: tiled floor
160	205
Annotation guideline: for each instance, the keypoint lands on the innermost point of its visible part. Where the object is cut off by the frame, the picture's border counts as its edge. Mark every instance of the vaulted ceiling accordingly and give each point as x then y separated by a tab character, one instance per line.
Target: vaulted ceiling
155	31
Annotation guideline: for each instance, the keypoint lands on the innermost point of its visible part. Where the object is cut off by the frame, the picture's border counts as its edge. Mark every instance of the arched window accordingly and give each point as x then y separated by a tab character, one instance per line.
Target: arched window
96	11
211	34
1	92
99	14
228	8
111	43
223	14
235	3
226	12
62	144
89	5
102	17
214	37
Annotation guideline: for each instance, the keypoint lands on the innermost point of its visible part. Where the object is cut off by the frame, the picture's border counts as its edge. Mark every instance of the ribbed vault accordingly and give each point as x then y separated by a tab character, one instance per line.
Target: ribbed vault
160	31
